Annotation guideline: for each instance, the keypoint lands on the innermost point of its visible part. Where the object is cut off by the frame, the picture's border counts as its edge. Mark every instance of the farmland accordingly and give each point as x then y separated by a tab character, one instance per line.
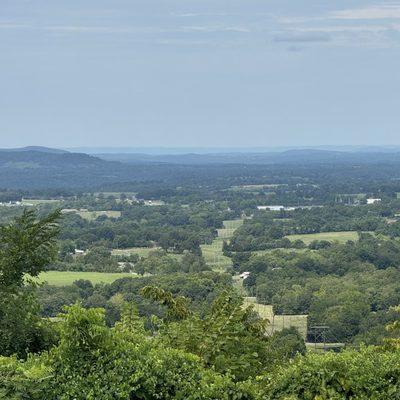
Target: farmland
64	278
278	322
141	252
213	256
229	228
340	237
212	253
92	215
37	202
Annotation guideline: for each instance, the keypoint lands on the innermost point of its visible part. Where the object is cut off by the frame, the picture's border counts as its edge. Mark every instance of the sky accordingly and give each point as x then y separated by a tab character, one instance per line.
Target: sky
207	73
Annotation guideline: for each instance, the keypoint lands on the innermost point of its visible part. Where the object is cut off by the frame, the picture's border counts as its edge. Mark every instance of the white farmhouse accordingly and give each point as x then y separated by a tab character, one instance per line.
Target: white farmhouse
373	201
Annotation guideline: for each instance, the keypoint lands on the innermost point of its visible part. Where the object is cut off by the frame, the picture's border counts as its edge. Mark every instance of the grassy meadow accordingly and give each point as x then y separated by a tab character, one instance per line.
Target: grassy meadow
229	228
212	253
92	215
278	322
141	252
64	278
340	237
38	202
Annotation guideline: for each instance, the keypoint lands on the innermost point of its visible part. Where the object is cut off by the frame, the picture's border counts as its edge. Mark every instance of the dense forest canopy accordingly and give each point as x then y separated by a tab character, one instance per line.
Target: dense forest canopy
173	280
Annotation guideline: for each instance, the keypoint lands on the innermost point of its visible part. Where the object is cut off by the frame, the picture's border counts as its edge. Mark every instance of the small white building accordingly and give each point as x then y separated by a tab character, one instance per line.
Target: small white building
270	208
276	208
244	275
373	201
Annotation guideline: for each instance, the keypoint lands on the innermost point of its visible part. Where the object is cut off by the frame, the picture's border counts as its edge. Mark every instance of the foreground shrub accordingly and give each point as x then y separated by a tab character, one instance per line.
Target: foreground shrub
371	373
93	362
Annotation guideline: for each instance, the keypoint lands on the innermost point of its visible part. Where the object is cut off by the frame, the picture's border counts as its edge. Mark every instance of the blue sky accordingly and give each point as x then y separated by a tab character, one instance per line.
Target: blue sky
199	72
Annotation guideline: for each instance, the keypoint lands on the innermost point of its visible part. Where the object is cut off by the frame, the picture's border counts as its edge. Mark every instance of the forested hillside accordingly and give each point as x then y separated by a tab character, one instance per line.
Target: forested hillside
220	353
198	281
40	168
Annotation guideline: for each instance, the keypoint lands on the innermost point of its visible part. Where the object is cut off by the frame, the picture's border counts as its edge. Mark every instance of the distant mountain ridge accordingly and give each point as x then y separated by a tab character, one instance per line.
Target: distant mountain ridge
229	150
302	156
39	168
40	149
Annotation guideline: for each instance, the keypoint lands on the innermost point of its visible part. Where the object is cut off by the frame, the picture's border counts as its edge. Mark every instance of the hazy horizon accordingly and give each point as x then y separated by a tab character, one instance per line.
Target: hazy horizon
209	150
199	74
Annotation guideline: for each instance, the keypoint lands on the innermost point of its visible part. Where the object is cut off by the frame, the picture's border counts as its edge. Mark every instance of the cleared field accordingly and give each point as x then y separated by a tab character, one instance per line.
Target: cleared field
64	278
263	252
278	322
341	237
141	252
212	253
92	215
36	202
229	228
115	194
264	310
257	187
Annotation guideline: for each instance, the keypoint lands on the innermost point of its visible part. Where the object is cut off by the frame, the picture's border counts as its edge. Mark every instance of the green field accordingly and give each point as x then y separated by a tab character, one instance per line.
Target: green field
92	215
212	253
141	252
64	278
229	228
263	252
115	194
257	187
37	202
341	237
263	310
278	322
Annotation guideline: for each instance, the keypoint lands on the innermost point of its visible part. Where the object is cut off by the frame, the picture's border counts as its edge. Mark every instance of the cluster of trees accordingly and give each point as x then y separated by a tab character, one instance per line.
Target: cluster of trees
351	287
268	230
200	288
221	352
173	228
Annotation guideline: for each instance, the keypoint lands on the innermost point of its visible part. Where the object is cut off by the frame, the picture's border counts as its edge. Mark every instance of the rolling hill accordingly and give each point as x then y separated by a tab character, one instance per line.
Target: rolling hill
43	168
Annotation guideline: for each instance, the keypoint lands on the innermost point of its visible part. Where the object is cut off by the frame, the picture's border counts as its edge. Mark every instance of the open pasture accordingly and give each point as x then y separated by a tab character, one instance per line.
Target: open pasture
340	237
64	278
141	252
263	252
256	187
212	253
92	215
278	322
37	202
115	194
265	311
229	228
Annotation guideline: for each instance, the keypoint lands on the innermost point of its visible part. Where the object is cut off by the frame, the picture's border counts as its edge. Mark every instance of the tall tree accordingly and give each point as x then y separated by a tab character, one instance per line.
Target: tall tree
27	245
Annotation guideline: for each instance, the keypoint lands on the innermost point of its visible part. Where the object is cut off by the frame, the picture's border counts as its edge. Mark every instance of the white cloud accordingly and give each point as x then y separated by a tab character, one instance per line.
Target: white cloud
368	13
215	28
351	28
302	37
6	25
